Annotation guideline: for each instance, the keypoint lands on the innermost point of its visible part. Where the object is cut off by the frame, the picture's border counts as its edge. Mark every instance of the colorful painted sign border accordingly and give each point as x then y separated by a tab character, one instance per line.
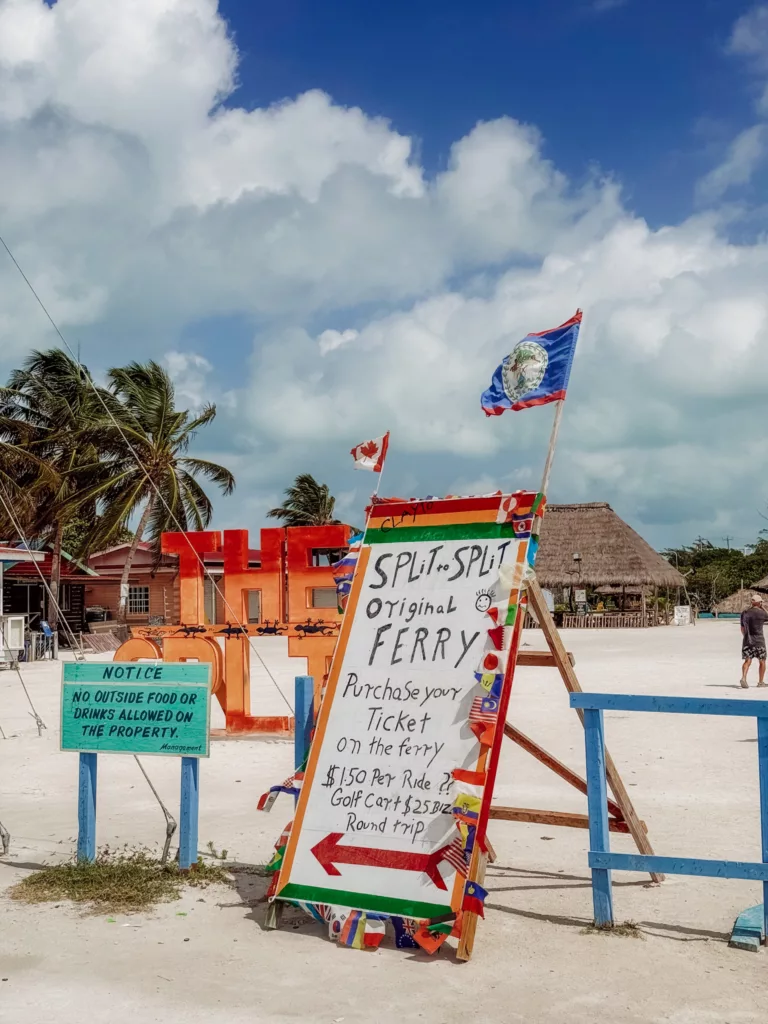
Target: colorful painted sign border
393	522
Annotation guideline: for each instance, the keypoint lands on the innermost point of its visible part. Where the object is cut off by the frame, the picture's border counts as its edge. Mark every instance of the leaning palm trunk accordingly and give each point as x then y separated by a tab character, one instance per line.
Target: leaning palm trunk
122	608
53	601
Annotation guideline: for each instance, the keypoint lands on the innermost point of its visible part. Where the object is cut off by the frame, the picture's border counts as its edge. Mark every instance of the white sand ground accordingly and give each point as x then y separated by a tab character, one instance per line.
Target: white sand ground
694	781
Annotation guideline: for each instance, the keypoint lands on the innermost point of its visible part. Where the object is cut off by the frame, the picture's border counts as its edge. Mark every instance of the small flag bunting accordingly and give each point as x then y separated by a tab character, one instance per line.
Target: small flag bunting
344	571
496	632
469	777
466	807
321	912
291	786
375	929
336	921
430	941
456	856
490	670
507	506
353	930
404	932
474	898
482	722
469	842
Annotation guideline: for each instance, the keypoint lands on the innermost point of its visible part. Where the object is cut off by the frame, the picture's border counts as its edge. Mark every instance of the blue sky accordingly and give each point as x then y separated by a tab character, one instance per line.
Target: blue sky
644	88
336	219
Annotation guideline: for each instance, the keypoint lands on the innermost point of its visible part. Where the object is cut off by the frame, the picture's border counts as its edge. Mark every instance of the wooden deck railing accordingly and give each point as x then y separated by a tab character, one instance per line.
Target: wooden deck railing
601	620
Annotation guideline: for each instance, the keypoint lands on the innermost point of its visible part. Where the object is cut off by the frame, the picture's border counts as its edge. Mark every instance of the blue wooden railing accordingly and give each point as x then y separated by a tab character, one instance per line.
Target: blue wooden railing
601	860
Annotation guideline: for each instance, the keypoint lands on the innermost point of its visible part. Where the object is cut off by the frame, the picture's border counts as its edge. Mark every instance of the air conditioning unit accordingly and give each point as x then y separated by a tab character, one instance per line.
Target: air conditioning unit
11	636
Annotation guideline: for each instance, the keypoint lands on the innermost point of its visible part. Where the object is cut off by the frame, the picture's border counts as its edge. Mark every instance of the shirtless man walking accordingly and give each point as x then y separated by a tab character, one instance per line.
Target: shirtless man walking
753	644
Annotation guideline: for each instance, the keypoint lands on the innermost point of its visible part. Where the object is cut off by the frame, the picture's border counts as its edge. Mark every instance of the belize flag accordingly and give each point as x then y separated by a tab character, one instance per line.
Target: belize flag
535	372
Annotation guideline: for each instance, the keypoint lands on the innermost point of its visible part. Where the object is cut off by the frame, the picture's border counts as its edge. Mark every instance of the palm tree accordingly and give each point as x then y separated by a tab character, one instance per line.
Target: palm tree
152	471
18	475
48	412
307	503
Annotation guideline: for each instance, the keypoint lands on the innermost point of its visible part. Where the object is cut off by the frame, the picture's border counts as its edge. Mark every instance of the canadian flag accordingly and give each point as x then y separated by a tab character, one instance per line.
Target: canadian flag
371	454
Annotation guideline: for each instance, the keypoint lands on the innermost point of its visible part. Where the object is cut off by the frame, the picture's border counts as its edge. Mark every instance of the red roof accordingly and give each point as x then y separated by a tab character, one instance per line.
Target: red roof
213	557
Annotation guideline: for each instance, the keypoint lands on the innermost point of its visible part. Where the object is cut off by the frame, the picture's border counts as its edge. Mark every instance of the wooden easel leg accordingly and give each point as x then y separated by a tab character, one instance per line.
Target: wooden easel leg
469	920
572	685
533	748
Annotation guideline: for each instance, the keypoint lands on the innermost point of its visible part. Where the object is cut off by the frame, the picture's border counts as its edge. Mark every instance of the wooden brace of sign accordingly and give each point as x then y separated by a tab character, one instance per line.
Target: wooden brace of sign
623	817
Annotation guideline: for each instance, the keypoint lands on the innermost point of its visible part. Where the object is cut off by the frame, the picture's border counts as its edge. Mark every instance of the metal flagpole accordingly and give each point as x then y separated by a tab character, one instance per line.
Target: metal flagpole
354	571
376	492
552	443
368	517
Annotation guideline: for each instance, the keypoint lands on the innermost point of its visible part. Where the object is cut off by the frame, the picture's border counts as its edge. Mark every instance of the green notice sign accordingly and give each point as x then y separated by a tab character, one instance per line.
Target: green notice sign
136	708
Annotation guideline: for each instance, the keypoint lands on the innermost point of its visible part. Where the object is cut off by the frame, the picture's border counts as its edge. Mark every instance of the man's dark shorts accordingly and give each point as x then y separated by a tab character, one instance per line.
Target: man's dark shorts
753	651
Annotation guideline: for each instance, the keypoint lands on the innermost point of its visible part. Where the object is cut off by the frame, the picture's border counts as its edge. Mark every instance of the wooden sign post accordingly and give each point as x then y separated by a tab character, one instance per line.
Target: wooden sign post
394	804
119	708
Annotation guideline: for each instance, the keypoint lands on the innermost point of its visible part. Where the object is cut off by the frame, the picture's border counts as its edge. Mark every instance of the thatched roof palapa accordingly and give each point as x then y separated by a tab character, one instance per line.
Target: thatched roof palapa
611	551
616	590
740	600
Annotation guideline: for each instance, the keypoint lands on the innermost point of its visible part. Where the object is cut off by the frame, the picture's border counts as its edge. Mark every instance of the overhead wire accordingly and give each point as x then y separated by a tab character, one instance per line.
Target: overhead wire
14	658
170	821
77	646
234	617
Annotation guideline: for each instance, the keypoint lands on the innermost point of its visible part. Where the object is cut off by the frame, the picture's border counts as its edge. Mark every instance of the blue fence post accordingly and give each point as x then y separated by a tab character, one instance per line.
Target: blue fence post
86	808
762	754
597	801
190	806
304	703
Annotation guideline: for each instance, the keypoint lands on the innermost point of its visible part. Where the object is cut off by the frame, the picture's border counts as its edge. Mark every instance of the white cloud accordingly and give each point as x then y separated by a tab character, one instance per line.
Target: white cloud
141	199
749	39
744	155
330	339
747	152
192	379
679	308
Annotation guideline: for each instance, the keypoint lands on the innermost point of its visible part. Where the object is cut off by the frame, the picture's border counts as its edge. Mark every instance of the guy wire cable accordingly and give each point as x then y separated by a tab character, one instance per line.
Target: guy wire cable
8	506
149	480
14	658
170	821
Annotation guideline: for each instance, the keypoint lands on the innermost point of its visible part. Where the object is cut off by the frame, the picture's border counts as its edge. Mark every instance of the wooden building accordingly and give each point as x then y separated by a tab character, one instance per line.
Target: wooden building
24	592
588	547
296	569
153	586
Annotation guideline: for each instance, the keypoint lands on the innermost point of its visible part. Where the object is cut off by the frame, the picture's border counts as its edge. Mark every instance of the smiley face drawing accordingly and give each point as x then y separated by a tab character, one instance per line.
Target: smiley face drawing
484	600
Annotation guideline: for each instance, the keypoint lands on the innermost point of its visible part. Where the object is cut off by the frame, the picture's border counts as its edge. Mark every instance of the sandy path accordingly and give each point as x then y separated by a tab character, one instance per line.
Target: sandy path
694	781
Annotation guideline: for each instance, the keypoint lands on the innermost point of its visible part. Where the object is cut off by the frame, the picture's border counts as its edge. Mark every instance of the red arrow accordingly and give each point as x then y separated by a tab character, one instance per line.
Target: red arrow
329	853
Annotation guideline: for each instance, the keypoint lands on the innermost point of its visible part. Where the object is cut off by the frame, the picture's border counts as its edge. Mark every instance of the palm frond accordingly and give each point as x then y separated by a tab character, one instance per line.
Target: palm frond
307	503
197	504
212	471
